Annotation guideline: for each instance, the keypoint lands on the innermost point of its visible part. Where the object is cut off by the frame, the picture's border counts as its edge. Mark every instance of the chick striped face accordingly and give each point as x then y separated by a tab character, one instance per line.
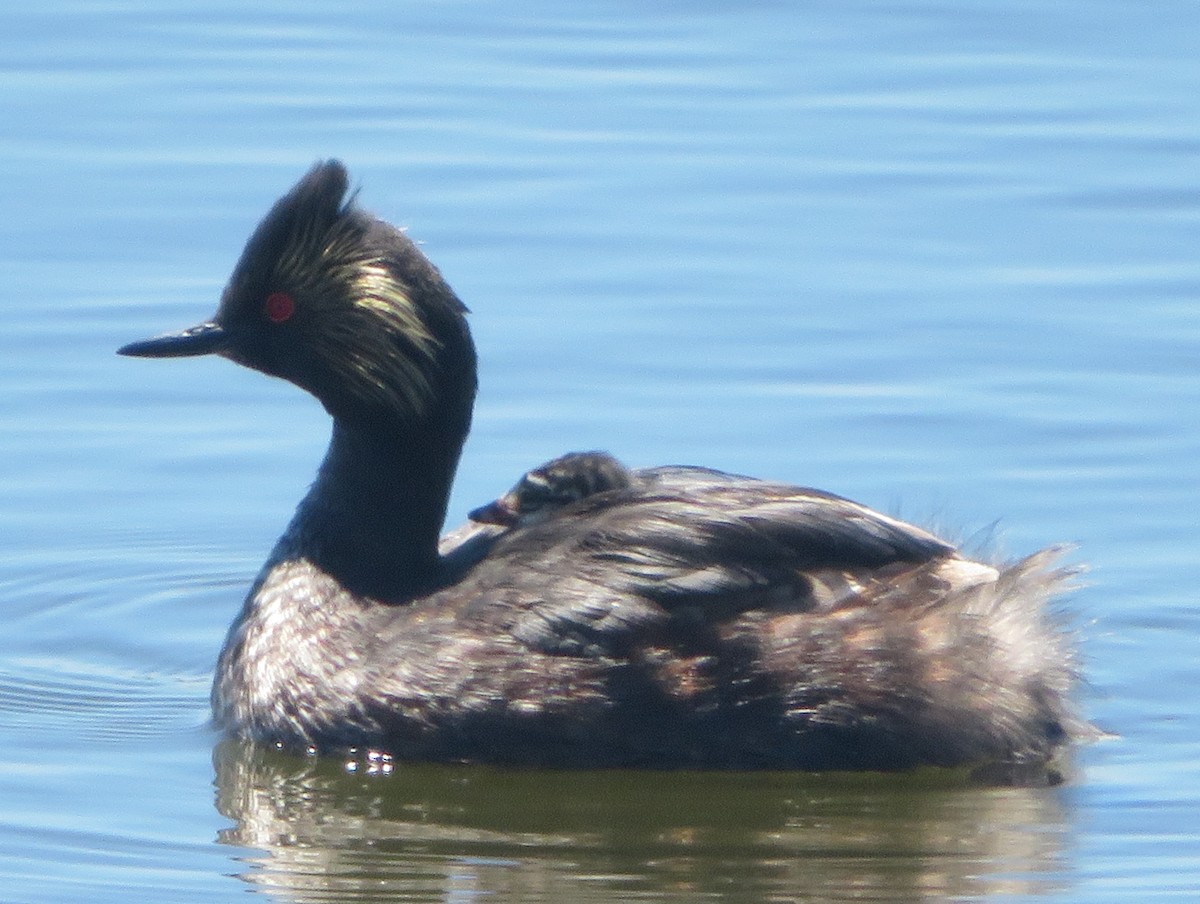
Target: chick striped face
542	491
552	486
565	480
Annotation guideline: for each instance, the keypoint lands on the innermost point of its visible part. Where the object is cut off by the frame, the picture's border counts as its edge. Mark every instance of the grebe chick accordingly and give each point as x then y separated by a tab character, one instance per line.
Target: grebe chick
691	619
544	490
549	487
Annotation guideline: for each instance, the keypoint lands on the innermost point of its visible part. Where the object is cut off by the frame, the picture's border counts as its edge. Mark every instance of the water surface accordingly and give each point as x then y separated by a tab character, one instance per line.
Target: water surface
937	257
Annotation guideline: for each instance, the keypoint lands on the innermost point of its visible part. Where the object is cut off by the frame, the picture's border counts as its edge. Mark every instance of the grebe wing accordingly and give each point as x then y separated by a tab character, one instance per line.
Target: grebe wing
621	565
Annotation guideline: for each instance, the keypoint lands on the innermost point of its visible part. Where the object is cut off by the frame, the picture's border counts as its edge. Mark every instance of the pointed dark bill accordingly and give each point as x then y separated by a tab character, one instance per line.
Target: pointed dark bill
203	339
502	511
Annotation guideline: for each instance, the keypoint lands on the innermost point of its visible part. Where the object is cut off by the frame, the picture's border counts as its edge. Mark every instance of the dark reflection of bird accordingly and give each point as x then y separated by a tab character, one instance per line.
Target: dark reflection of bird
700	620
437	833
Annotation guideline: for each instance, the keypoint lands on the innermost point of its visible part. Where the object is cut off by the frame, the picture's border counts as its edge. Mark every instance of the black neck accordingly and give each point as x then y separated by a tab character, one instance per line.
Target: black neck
373	516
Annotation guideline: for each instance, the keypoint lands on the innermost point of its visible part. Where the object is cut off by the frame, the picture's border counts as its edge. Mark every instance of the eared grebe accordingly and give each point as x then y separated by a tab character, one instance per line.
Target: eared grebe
679	617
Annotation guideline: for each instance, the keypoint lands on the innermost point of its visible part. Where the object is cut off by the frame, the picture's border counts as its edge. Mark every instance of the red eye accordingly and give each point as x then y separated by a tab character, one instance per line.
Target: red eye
280	307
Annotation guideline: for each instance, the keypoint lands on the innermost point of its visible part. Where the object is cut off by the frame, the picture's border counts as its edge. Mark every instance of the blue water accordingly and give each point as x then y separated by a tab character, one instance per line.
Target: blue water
939	257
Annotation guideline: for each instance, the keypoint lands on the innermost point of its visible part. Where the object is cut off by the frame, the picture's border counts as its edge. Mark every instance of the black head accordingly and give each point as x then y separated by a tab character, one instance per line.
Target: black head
340	303
554	485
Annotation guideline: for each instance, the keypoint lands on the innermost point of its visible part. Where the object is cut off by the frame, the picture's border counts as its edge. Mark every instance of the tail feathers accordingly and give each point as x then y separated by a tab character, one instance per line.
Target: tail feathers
962	661
1033	638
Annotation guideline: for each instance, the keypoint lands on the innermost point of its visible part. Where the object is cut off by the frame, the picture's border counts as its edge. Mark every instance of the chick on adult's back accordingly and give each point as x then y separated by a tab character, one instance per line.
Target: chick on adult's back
684	618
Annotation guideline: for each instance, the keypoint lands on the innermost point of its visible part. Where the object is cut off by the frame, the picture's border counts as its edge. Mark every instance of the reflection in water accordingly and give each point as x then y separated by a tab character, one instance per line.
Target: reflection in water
437	833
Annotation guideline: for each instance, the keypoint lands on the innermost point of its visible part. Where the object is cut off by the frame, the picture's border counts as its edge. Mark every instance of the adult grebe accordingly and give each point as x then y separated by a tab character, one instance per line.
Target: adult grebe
694	619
